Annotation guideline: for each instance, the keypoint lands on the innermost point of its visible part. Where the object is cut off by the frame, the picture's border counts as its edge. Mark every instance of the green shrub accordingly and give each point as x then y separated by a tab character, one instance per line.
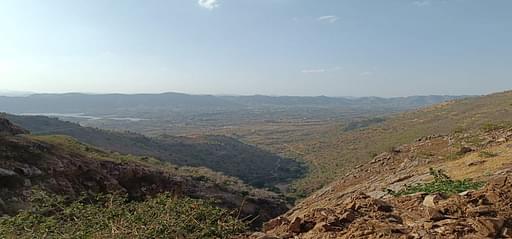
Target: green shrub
442	183
113	216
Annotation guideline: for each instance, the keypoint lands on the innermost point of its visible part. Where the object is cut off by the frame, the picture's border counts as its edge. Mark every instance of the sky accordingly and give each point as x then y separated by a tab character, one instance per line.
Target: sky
244	47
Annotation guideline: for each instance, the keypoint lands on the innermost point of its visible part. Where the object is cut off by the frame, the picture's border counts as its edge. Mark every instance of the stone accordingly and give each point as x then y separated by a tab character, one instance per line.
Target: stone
352	205
483	210
7	173
28	171
383	206
348	216
435	214
465	150
10	179
295	225
395	219
275	223
431	200
445	222
476	162
377	194
466	193
489	227
507	233
323	227
428	225
261	235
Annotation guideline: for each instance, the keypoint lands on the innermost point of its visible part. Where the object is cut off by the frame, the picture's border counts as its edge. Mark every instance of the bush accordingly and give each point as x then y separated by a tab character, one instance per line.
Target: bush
442	183
113	216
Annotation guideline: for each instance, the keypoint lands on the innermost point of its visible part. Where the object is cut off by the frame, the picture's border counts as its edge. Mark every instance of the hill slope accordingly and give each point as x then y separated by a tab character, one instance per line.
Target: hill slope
412	192
64	166
222	154
338	150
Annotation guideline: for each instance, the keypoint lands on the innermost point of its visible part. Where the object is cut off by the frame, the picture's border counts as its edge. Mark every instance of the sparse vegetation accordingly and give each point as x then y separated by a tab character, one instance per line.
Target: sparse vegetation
442	183
496	126
363	123
487	154
113	216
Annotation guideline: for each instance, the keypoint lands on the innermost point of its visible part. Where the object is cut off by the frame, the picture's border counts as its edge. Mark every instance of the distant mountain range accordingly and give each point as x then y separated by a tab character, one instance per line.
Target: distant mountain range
15	93
111	103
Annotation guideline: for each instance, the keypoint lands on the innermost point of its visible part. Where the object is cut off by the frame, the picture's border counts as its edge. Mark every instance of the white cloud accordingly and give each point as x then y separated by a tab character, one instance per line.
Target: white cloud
307	71
422	3
209	4
320	70
366	73
328	19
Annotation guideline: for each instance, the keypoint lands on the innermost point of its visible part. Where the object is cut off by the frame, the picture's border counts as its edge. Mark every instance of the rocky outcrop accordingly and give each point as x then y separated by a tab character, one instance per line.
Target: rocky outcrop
486	213
7	128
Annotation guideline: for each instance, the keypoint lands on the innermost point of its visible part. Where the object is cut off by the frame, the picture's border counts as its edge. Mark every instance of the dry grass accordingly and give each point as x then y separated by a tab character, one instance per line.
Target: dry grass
459	169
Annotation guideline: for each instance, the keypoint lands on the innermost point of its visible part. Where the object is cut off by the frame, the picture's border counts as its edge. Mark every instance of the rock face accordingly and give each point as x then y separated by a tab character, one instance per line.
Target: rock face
359	205
7	128
26	162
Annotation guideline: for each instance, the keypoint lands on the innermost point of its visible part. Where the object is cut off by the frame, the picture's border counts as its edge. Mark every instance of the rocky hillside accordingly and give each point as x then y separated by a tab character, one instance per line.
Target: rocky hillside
455	185
64	166
339	150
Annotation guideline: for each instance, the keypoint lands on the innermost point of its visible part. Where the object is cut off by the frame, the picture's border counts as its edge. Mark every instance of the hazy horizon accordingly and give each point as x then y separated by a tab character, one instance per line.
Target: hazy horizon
9	93
240	47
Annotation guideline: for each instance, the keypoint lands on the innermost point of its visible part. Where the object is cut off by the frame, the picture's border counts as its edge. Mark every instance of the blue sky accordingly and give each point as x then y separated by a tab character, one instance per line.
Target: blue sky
273	47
